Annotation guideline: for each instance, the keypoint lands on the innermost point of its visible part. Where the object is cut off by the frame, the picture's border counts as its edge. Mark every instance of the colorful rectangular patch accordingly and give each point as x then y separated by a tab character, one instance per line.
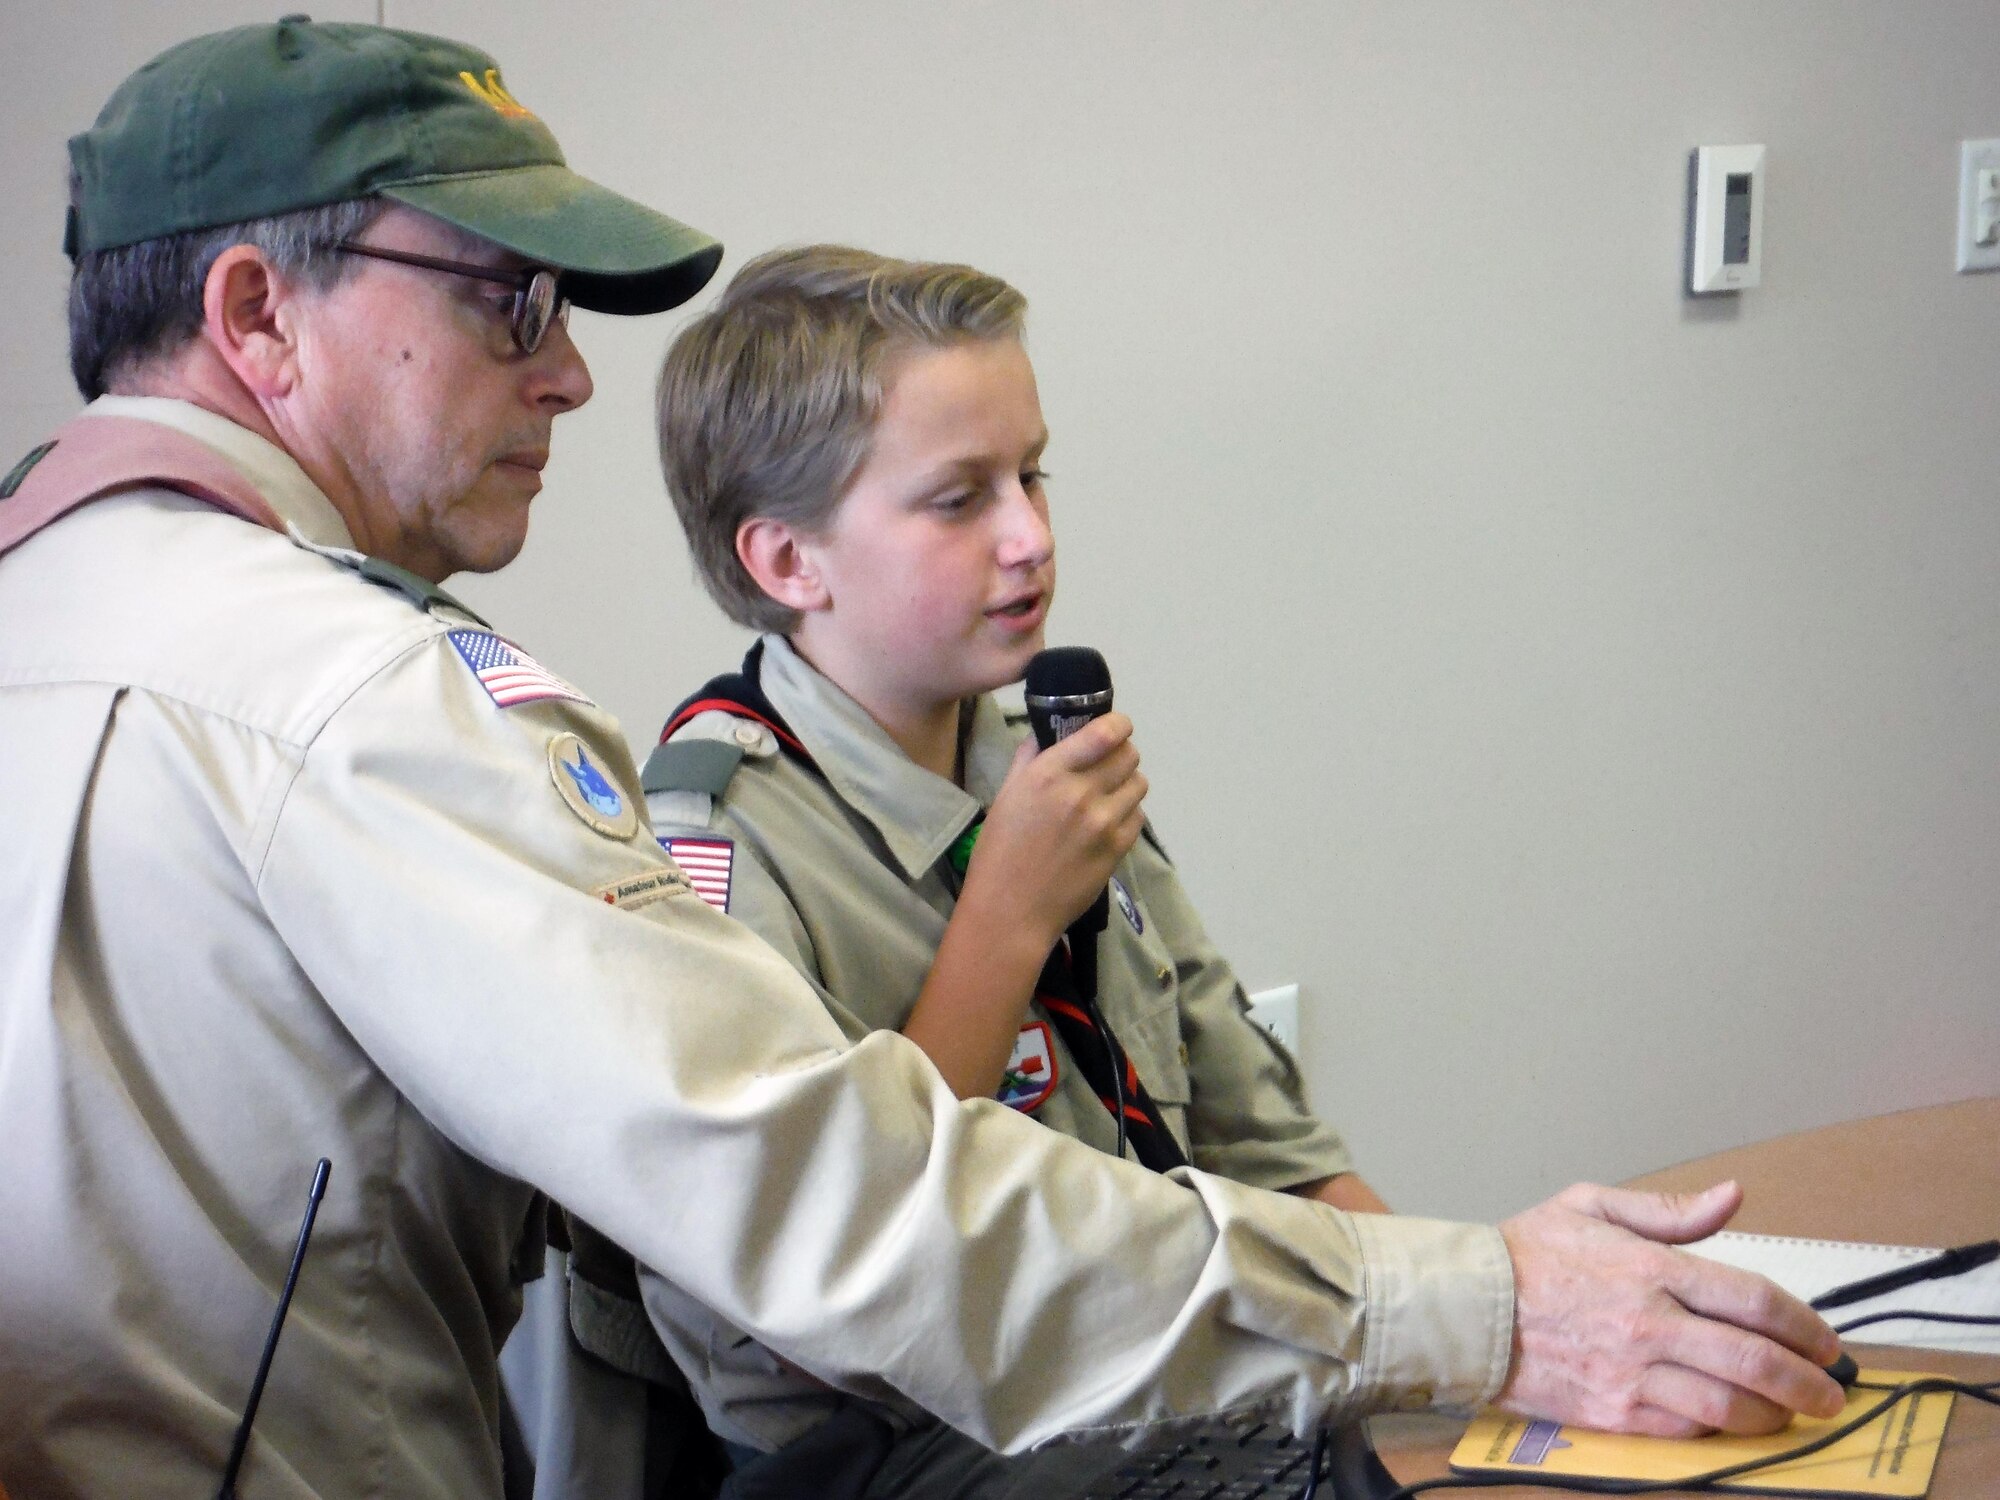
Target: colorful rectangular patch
709	865
1031	1069
510	676
644	890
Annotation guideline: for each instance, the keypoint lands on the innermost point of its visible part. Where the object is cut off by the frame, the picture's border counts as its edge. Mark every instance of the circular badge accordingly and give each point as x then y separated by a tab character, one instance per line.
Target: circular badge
588	791
1127	905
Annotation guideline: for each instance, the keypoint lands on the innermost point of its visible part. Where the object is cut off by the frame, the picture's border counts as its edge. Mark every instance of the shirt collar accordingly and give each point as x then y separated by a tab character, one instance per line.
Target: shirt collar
918	814
275	473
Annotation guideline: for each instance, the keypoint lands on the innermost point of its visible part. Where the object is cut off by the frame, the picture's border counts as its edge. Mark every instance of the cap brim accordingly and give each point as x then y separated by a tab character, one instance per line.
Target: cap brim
620	256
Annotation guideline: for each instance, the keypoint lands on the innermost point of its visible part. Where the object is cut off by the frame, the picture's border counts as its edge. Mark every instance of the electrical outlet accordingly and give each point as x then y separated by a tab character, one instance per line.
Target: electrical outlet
1277	1011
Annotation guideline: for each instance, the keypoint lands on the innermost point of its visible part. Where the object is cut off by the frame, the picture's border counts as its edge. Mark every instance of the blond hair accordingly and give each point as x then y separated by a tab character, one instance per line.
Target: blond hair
768	400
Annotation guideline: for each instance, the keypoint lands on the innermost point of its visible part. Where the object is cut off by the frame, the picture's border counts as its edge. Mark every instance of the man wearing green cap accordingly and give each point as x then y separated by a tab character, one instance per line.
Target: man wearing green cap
304	860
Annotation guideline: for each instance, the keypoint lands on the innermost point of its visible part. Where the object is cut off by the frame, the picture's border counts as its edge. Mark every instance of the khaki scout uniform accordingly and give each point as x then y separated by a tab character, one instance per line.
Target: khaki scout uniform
283	880
845	874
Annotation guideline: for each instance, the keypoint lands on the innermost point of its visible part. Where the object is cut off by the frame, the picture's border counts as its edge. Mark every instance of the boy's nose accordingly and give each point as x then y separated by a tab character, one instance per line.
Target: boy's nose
1028	538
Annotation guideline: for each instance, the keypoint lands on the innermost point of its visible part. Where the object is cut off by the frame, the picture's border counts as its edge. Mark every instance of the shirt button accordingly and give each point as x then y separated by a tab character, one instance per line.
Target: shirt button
1417	1400
1166	976
749	736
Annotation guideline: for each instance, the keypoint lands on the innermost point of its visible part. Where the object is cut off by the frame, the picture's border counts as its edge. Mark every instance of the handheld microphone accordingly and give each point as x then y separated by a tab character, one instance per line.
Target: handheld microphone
1067	687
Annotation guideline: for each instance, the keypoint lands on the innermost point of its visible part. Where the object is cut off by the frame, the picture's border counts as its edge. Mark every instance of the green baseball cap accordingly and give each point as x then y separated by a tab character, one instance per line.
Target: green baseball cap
264	120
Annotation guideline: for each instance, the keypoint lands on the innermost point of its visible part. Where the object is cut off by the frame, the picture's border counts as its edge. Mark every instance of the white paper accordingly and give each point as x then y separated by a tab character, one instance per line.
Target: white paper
1805	1268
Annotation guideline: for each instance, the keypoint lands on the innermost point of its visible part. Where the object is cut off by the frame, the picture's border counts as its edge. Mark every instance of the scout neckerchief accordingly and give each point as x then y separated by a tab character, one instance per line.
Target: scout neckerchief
1076	1017
1091	1042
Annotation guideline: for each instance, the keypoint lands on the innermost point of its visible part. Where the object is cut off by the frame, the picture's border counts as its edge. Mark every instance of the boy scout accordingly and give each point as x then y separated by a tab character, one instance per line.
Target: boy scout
854	447
305	860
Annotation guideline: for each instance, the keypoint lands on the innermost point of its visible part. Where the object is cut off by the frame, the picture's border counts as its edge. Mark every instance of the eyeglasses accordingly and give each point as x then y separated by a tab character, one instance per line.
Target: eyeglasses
538	301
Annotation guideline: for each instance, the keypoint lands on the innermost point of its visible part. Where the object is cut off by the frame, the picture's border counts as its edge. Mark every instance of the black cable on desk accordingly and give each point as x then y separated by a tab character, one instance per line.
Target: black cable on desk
1579	1484
1925	1317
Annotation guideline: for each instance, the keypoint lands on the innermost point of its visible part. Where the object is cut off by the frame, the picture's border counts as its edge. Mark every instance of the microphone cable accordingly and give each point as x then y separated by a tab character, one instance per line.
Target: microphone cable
241	1445
1113	1048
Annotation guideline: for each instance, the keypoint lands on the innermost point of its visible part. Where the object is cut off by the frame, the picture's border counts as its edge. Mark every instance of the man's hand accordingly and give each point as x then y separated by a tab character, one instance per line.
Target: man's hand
1063	819
1612	1329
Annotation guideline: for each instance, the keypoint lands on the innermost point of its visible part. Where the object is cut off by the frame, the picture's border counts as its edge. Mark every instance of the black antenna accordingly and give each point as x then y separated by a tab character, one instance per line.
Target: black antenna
242	1443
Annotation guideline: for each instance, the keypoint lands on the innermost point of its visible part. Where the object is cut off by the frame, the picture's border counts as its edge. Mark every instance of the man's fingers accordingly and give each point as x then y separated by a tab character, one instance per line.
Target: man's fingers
1750	1301
1710	1404
1672	1218
1755	1367
1655	1421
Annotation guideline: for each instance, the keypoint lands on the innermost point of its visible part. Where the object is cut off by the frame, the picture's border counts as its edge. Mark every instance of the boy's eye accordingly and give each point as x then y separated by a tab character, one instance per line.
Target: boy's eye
956	501
1032	477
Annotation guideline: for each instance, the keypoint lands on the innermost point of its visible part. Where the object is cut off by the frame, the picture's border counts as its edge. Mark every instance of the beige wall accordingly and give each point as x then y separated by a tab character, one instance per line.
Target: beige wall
1587	695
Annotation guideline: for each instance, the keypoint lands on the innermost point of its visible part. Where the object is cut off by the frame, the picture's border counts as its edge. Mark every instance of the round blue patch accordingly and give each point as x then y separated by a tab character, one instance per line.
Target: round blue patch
587	791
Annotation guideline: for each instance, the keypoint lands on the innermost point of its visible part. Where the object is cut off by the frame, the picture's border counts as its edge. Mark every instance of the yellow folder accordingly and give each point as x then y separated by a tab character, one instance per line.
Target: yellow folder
1892	1455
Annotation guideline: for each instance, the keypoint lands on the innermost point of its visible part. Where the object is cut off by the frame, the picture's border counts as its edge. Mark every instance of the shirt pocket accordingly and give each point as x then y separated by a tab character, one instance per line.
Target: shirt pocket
1139	989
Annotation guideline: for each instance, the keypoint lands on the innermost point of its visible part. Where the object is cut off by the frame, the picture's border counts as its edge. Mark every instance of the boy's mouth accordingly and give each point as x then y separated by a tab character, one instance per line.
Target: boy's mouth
1019	611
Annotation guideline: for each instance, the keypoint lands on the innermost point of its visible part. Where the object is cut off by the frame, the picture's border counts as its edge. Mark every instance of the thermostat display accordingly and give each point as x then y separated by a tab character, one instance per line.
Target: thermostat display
1725	218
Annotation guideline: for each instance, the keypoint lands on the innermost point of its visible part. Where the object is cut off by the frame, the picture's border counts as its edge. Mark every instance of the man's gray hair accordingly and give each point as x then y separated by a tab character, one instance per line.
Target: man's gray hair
140	302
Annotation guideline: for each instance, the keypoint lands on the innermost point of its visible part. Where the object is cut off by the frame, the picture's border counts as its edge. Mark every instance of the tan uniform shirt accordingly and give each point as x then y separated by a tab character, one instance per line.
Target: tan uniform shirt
844	873
283	880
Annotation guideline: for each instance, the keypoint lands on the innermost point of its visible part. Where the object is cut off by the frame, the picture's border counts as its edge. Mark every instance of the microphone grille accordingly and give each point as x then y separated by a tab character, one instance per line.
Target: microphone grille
1067	672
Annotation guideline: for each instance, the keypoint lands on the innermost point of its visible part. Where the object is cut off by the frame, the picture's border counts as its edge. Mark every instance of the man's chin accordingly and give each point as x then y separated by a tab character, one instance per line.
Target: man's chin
493	561
498	532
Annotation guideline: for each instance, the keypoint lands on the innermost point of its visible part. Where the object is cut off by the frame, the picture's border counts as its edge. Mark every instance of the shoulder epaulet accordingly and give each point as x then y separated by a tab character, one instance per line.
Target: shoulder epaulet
20	470
419	591
694	765
760	729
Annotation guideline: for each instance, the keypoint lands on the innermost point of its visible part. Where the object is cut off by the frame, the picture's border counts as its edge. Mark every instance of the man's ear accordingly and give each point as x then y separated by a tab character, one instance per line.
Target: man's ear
781	563
247	315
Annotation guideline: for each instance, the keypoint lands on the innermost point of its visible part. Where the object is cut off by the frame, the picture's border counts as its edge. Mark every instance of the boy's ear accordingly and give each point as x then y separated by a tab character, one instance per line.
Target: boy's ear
781	564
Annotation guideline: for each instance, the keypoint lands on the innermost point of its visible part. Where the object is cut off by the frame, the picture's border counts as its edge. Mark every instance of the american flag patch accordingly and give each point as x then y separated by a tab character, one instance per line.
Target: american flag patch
707	863
509	675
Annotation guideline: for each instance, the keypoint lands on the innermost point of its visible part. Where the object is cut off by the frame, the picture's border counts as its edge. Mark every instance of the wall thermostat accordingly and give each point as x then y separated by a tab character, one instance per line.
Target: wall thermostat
1725	218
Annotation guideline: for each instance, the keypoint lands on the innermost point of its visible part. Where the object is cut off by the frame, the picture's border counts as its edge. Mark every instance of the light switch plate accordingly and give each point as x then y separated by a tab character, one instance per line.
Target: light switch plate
1976	160
1277	1011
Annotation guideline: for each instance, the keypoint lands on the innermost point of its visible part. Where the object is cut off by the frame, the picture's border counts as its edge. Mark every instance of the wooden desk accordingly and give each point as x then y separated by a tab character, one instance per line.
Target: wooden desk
1919	1177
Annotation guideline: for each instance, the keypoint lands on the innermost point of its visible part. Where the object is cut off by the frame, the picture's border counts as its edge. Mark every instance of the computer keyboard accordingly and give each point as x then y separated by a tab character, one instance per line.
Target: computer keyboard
1259	1463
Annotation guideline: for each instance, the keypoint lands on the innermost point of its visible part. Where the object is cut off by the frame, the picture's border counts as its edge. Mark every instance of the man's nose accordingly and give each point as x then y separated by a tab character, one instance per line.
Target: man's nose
562	379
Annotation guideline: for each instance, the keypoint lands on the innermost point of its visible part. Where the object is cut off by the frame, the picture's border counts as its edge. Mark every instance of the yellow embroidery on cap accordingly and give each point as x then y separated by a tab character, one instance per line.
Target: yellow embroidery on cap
494	92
